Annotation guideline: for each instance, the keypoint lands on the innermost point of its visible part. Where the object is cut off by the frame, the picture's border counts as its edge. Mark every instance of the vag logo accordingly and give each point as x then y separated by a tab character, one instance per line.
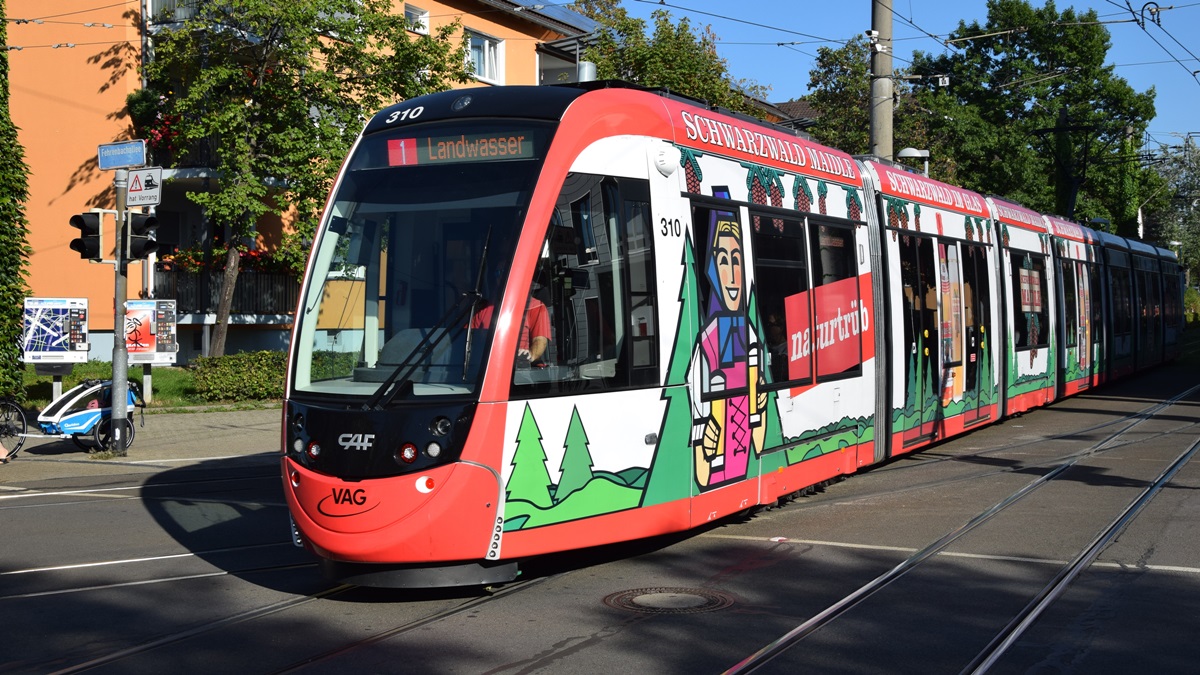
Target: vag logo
356	441
345	502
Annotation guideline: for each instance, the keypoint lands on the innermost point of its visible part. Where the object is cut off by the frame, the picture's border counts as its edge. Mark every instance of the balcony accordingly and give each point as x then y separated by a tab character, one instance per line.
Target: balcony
256	293
179	10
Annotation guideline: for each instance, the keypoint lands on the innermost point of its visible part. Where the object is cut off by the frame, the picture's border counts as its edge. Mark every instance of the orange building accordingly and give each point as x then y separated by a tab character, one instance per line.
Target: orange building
72	64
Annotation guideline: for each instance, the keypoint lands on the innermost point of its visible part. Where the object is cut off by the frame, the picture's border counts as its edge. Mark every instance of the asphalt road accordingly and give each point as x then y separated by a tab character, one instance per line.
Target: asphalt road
176	559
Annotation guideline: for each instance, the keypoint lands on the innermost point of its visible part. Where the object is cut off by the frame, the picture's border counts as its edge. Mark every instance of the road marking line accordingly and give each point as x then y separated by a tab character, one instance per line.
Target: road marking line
77	566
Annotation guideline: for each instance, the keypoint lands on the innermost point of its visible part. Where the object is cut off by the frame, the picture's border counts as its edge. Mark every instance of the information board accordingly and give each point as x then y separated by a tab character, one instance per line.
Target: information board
151	335
55	330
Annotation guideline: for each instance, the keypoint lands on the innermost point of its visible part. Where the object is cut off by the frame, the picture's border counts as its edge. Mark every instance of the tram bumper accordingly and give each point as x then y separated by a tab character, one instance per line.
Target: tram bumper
447	513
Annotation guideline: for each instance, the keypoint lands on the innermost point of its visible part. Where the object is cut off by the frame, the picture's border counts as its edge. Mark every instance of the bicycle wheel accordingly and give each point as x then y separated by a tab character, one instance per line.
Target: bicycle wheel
104	435
12	427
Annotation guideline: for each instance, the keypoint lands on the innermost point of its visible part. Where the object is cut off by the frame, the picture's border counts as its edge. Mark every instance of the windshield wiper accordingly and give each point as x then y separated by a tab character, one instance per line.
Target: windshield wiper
487	240
447	325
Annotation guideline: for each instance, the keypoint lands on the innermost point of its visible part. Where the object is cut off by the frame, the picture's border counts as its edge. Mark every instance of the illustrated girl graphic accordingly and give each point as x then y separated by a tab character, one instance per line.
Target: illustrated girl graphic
726	358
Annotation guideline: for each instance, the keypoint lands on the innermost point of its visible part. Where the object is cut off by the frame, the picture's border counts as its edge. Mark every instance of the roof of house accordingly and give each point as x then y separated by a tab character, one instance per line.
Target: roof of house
798	108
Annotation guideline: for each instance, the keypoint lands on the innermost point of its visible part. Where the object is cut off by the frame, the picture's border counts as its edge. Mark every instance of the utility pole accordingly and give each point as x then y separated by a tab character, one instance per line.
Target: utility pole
881	79
120	354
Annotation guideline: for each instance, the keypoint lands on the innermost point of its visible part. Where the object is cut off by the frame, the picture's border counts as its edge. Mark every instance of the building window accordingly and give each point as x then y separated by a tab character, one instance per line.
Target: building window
417	18
487	55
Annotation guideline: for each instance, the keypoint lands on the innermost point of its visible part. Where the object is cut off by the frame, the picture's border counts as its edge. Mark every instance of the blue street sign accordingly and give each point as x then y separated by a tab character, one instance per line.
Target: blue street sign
122	155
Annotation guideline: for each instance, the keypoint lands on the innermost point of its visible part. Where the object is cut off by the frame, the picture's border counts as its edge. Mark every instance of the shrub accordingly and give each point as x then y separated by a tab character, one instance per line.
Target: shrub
1191	305
246	376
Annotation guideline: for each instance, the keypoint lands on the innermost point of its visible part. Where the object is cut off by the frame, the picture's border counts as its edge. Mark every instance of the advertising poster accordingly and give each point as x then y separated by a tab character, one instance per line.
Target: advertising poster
150	332
55	330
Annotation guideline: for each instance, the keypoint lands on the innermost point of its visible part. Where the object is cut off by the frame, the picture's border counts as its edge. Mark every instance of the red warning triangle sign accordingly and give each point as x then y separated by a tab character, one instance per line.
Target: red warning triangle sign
136	184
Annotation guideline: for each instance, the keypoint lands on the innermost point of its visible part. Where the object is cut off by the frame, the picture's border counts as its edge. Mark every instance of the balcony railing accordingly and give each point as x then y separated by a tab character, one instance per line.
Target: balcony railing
254	293
180	10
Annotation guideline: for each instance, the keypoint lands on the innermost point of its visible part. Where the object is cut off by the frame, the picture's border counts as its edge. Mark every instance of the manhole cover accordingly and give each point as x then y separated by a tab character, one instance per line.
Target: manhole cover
669	600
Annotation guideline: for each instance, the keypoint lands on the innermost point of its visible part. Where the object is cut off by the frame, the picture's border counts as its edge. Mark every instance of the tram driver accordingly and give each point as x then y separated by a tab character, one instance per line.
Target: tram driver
535	330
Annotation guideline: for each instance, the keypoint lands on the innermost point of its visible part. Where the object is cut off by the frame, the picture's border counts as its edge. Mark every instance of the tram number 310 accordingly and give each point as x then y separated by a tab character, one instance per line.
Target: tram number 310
671	228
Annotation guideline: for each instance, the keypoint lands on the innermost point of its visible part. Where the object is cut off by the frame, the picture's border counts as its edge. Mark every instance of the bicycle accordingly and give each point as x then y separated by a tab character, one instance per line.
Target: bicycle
12	428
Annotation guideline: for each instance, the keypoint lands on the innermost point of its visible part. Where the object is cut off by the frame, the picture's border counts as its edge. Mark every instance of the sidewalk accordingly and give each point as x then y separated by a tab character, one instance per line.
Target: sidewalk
161	441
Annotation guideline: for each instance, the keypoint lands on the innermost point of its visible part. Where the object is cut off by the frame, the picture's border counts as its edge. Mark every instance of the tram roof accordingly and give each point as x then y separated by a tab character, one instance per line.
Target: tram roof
517	101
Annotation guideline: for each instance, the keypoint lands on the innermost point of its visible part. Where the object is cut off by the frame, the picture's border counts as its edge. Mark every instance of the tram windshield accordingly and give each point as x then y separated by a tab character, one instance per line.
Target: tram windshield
418	235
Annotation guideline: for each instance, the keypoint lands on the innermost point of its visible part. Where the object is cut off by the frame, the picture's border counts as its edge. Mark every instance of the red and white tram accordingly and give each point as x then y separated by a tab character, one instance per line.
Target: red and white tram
546	318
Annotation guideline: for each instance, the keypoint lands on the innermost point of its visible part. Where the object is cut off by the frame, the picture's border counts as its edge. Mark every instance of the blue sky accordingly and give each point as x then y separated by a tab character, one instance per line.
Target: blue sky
1162	55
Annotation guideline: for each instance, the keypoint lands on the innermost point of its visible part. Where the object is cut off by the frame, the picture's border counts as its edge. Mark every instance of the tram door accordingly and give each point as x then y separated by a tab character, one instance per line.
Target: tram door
977	307
922	405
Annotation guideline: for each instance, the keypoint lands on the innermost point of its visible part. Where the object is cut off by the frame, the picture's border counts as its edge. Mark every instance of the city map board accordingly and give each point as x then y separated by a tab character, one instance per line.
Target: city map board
151	335
55	330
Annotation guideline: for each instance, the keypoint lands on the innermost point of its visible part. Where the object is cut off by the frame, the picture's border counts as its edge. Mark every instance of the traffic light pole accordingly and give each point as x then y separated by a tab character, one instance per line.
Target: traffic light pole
120	355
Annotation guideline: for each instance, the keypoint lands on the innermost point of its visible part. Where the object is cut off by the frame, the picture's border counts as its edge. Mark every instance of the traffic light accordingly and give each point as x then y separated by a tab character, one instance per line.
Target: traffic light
141	236
88	244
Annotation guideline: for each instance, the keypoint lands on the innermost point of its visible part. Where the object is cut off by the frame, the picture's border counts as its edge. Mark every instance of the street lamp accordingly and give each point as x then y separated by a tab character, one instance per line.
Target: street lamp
913	153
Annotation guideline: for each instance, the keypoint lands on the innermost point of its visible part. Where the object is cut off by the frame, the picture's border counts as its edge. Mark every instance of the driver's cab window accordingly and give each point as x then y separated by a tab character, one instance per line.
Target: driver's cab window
590	321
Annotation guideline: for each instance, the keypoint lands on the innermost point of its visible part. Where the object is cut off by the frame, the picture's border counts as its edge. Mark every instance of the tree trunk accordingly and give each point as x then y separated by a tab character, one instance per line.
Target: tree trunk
225	304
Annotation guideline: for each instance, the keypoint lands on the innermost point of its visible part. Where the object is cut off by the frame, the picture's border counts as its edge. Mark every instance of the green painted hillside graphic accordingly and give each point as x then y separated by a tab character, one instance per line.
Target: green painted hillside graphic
533	500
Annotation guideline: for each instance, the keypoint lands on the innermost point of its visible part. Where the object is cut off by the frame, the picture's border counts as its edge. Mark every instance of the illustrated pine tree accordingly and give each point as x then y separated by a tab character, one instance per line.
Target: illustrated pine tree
576	468
529	481
671	470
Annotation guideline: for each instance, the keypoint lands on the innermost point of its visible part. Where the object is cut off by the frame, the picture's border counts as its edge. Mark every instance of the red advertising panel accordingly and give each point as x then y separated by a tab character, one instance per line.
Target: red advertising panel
838	346
799	331
836	336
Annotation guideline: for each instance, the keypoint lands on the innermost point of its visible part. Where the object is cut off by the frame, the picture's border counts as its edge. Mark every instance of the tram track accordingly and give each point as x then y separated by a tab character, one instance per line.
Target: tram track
1130	420
202	629
244	621
1042	599
409	626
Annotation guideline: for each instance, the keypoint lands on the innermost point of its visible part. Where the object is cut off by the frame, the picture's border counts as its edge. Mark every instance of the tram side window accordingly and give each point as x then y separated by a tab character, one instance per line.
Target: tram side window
1172	311
1030	322
951	300
1070	302
1122	294
837	306
596	279
784	303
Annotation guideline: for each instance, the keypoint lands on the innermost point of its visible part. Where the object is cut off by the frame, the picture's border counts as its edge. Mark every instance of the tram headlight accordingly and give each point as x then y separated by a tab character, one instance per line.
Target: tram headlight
314	450
433	449
407	454
298	423
440	426
298	446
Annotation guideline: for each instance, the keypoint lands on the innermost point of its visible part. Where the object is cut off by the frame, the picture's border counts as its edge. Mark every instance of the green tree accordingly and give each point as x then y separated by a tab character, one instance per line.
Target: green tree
840	86
675	57
1172	213
14	239
279	91
840	91
1030	97
577	464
